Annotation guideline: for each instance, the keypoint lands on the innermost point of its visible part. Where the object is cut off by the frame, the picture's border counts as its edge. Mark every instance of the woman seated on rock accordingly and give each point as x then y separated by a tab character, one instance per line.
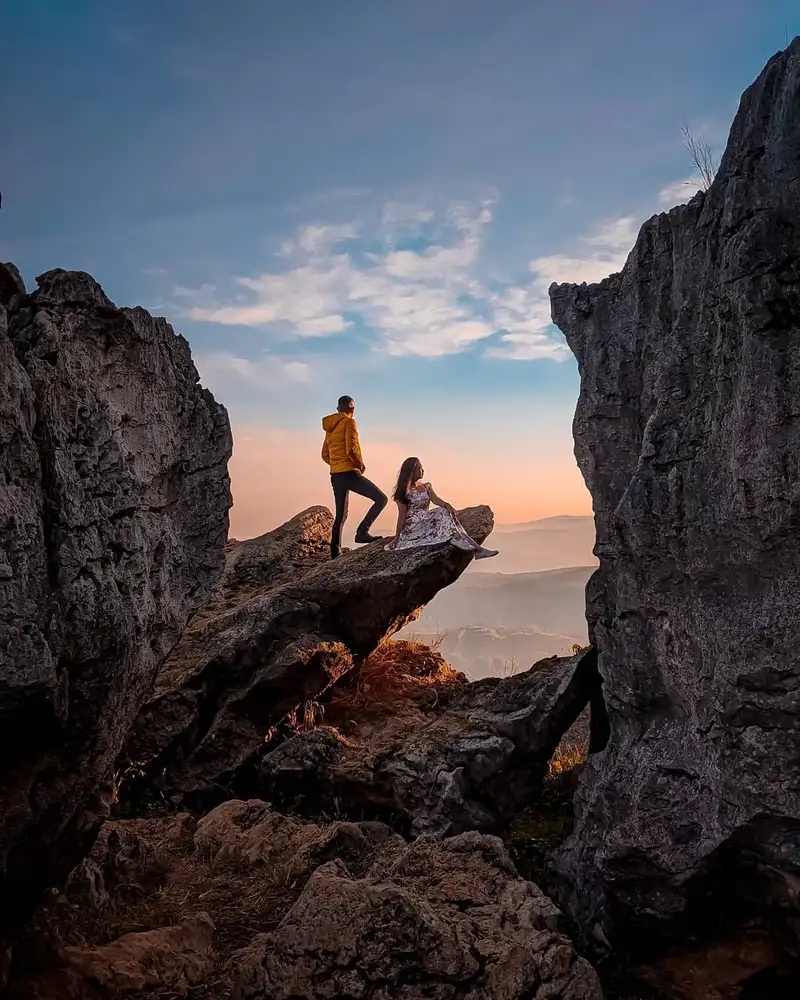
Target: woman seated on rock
418	524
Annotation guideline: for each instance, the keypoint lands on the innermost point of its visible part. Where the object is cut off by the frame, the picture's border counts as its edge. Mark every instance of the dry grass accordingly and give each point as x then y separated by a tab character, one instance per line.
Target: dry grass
567	758
306	717
401	675
572	752
166	887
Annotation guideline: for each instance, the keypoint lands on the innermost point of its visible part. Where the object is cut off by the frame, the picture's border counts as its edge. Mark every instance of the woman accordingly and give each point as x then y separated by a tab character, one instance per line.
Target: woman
418	525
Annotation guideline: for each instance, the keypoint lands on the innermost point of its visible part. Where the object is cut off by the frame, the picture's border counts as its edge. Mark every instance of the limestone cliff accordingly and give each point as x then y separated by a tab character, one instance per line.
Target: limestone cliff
114	496
687	432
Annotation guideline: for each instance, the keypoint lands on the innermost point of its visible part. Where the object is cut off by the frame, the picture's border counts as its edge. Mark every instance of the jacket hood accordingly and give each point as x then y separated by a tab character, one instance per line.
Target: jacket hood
332	421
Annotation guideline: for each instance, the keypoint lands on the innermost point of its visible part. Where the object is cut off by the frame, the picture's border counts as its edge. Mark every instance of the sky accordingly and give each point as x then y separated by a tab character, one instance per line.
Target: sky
367	197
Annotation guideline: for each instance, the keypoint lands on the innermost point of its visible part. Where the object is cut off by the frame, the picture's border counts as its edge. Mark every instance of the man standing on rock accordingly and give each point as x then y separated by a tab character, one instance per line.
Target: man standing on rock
342	452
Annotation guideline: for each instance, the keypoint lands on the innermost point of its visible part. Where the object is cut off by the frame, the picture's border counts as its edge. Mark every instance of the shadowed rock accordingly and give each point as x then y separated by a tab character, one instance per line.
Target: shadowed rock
12	287
248	661
688	435
449	919
473	767
113	514
165	960
301	909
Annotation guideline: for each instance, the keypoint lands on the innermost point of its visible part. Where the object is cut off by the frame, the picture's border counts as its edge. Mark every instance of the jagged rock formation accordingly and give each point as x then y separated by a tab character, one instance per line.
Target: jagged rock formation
688	435
113	514
259	652
441	919
279	556
472	767
264	905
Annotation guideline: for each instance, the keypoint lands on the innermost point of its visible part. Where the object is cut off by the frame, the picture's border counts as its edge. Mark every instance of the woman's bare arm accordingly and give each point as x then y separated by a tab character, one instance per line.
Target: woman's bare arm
439	502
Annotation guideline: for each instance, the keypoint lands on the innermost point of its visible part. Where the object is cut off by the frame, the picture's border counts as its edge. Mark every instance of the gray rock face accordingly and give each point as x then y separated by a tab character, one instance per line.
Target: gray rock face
283	628
474	767
113	515
688	435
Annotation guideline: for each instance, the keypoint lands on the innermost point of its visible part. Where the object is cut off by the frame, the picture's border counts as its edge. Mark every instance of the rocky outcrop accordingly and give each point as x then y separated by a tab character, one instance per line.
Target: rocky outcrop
113	515
278	634
280	556
265	905
747	966
472	767
688	435
448	919
249	831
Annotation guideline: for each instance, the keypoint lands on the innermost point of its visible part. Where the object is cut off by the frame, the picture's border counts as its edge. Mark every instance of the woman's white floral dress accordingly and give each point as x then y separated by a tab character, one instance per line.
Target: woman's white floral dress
430	526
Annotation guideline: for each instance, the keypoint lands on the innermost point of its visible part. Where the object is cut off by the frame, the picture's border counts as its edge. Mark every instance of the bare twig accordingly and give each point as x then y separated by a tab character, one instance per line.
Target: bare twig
703	156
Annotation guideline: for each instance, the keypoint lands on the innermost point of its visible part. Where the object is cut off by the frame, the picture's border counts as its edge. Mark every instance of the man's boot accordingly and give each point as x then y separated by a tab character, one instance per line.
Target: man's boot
363	537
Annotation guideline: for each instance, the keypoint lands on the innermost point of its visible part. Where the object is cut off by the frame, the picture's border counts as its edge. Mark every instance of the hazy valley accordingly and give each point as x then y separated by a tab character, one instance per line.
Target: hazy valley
505	613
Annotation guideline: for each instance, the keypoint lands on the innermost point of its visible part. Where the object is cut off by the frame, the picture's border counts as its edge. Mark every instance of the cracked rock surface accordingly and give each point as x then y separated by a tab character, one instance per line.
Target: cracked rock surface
474	766
285	625
444	920
114	496
256	904
688	436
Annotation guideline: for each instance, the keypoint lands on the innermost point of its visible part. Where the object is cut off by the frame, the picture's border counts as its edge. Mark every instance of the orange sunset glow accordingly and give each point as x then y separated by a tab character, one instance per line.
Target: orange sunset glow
276	473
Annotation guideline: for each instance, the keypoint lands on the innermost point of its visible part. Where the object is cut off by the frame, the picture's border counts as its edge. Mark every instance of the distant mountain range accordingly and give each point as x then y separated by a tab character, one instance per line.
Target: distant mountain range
491	622
552	601
528	602
532	546
560	522
549	543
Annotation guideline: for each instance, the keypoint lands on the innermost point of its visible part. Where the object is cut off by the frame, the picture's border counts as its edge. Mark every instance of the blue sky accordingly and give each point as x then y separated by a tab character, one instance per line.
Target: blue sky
366	197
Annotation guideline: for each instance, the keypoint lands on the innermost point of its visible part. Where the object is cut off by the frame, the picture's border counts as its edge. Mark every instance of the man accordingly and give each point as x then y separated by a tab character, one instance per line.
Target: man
342	452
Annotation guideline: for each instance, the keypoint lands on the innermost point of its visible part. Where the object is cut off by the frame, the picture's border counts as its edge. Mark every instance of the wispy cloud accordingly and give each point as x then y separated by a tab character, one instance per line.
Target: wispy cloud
220	370
316	239
679	192
614	234
526	310
410	278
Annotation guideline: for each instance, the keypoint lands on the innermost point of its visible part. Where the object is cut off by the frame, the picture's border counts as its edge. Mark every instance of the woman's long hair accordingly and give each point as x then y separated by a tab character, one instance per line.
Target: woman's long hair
410	472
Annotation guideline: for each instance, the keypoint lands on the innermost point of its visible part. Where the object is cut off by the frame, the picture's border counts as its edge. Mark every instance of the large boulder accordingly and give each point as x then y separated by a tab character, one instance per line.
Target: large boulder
278	634
473	766
687	432
445	920
114	496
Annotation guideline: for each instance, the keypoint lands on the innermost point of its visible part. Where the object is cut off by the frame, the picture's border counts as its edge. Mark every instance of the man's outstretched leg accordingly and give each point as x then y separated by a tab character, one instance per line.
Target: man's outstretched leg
365	488
340	484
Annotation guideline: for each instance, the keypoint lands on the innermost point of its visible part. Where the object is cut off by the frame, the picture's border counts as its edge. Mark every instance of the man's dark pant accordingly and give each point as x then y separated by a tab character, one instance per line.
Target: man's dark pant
345	483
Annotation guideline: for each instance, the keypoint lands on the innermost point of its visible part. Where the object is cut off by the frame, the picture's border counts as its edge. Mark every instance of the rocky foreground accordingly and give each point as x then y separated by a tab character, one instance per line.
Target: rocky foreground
289	909
221	779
